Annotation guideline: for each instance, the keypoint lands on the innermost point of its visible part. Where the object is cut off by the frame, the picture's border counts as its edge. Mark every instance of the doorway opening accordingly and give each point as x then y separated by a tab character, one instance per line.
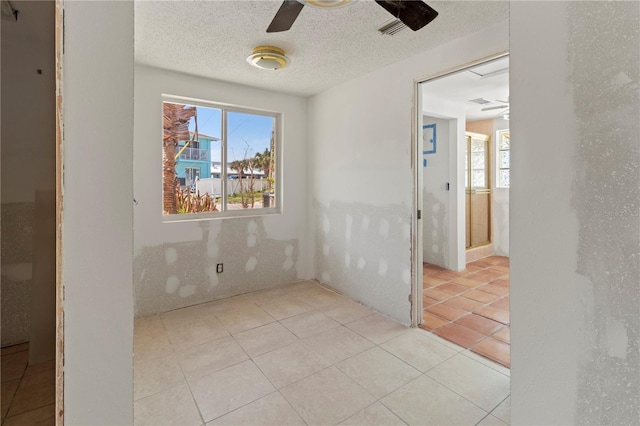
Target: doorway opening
463	193
29	354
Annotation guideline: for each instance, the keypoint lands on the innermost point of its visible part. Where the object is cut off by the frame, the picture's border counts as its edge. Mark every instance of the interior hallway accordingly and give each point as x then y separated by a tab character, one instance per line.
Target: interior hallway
471	308
302	354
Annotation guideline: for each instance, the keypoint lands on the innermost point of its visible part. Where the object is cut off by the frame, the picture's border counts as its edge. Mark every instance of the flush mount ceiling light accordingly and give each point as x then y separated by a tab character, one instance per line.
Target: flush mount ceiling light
268	58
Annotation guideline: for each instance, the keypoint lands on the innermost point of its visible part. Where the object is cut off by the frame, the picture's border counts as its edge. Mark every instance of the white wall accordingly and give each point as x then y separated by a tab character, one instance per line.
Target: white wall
575	222
97	224
436	197
175	262
455	226
361	132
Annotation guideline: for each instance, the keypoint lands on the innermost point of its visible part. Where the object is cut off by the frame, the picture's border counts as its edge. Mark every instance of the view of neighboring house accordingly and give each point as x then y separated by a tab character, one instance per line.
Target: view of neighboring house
216	172
193	158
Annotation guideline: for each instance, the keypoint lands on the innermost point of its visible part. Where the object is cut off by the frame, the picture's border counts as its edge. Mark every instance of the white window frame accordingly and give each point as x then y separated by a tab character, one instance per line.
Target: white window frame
497	168
278	185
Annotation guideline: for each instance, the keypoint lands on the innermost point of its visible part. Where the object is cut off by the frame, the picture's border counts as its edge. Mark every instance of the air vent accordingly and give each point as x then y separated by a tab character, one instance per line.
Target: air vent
392	27
480	101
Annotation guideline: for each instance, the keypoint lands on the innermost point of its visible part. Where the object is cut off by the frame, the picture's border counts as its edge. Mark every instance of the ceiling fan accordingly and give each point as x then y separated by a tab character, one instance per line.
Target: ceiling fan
415	14
495	107
504	109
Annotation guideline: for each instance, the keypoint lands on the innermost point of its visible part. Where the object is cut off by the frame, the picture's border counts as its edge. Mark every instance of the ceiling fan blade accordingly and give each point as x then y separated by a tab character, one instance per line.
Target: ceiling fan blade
414	14
286	16
495	107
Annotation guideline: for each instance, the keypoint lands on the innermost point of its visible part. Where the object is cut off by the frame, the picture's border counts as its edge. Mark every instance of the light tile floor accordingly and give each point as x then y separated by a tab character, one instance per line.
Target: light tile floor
28	391
302	354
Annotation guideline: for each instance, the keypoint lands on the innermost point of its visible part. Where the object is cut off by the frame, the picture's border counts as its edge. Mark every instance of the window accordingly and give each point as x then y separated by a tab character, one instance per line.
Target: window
503	158
218	161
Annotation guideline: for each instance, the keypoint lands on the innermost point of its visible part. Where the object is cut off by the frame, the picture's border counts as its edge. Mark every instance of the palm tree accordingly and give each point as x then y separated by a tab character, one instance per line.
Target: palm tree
239	166
263	162
260	161
175	122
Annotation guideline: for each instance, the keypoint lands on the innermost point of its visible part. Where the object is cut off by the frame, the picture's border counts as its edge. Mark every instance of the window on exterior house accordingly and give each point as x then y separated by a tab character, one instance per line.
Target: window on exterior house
218	161
504	145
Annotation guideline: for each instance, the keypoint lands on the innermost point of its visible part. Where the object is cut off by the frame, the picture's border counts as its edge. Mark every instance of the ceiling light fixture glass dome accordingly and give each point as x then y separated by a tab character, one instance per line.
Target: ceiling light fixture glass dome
327	4
268	58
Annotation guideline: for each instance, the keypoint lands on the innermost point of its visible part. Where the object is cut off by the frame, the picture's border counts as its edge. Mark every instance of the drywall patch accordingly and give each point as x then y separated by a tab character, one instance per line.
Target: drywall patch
251	264
288	262
252	238
365	223
607	204
170	256
326	225
617	339
161	286
371	267
212	239
187	290
173	283
383	267
212	273
384	228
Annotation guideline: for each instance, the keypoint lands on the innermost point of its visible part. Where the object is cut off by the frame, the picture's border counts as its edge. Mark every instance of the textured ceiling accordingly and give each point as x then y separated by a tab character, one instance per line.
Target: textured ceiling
326	47
489	81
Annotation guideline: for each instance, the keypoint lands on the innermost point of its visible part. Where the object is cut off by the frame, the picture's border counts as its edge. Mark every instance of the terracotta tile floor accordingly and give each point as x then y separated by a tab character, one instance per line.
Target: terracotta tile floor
470	308
28	391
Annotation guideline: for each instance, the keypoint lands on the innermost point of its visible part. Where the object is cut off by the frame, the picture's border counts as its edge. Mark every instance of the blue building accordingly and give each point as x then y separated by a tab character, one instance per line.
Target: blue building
193	162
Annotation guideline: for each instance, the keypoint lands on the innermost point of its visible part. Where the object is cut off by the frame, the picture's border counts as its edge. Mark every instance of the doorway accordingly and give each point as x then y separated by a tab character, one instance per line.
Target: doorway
477	190
463	193
28	212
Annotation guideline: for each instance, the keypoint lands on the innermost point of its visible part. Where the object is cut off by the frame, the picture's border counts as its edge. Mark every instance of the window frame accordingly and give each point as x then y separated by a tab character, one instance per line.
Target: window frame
276	208
498	150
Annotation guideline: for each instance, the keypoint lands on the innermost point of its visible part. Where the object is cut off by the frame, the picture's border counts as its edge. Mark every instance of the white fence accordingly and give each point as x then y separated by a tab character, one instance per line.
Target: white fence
213	186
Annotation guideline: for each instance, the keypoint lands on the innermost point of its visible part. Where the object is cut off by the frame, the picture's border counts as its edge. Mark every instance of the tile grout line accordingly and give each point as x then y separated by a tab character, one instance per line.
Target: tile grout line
17	388
250	358
333	364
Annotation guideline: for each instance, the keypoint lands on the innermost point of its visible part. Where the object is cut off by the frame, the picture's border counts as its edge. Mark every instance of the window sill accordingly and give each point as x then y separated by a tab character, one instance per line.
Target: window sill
233	214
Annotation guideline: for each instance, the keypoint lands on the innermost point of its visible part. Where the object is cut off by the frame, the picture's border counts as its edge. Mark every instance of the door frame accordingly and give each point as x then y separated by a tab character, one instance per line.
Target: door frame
59	368
418	182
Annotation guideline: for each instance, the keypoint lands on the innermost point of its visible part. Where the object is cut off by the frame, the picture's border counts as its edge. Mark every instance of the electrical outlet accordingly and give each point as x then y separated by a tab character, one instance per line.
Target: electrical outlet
219	268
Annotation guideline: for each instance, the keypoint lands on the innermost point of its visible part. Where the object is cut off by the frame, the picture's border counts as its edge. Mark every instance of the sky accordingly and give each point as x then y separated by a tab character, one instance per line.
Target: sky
248	134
